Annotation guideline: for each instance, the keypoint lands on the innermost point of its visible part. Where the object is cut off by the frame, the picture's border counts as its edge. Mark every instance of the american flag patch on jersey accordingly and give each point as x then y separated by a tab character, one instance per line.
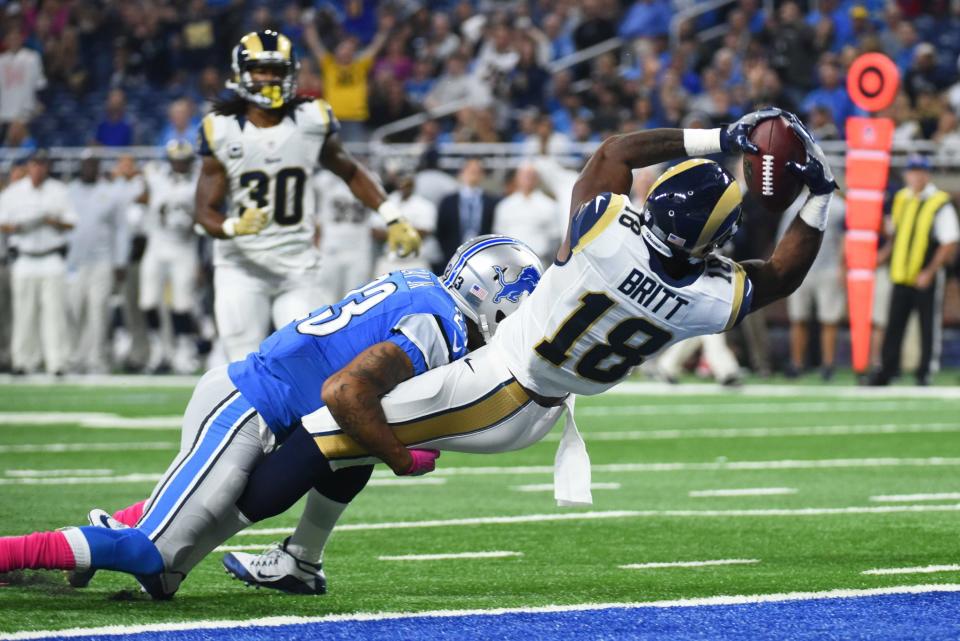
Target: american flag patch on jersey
478	291
673	239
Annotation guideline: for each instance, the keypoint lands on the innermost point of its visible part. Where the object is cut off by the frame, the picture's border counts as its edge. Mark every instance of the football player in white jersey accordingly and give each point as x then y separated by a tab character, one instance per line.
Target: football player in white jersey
346	238
627	282
259	150
170	256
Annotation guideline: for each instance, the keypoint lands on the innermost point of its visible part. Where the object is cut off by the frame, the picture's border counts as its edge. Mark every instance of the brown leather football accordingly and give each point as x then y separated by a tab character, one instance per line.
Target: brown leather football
766	173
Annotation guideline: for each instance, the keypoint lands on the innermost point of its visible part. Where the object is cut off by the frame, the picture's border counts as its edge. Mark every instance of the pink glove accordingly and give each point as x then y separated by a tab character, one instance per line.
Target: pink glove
424	462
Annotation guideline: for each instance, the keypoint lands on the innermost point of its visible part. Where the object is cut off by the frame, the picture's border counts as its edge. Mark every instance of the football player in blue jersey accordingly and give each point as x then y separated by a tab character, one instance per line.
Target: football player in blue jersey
343	356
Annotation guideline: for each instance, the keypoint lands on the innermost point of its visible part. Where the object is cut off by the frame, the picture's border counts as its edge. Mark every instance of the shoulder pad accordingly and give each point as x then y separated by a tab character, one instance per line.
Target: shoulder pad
316	117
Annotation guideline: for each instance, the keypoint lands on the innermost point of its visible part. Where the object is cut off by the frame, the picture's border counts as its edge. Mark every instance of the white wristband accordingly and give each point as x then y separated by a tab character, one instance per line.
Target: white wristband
229	227
814	211
701	142
389	211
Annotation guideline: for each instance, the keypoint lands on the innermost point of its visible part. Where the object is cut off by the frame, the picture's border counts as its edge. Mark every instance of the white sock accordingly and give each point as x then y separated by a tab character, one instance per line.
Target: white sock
79	546
316	524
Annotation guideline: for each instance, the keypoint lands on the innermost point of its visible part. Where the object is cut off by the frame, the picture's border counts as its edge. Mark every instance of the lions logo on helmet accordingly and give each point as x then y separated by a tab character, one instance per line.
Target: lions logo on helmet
692	209
477	278
264	49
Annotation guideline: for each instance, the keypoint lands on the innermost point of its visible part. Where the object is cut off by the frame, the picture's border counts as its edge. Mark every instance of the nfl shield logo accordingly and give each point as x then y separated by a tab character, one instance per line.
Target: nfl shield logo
235	150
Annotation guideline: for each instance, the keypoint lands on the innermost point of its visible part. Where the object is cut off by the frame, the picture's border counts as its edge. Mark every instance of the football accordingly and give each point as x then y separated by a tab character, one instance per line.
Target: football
766	173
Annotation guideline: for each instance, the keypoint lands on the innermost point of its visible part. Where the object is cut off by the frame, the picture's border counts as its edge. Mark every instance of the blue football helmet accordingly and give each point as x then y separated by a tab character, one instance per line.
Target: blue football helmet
489	277
264	49
692	209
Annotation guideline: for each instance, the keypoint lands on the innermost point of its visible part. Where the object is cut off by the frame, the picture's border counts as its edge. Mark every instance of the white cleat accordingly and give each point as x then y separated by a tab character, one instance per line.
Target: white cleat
277	569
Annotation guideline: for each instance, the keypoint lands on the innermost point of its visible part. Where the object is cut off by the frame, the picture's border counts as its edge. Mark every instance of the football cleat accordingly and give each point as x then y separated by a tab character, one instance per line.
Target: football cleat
277	569
97	518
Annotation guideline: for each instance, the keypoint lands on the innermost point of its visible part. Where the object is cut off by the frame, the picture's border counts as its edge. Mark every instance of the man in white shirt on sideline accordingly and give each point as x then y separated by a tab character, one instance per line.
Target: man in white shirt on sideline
21	77
422	214
37	213
530	215
99	249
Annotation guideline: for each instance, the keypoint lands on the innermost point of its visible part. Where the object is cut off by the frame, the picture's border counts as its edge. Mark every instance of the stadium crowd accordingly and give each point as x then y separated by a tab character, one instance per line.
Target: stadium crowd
119	73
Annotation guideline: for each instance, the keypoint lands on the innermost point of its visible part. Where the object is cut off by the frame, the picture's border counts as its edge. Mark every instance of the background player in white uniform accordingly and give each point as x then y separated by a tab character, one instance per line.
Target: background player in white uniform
171	256
628	281
259	150
346	242
422	214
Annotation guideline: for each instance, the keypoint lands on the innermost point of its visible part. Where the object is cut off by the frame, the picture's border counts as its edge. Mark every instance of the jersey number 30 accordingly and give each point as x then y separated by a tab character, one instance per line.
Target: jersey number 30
259	183
594	364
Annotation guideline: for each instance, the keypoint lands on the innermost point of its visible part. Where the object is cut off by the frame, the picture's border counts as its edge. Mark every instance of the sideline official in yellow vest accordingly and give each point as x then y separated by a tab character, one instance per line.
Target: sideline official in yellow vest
925	235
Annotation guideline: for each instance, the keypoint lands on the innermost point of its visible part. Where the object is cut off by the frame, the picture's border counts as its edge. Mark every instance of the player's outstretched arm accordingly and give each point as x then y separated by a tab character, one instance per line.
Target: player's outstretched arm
794	254
401	236
353	397
210	196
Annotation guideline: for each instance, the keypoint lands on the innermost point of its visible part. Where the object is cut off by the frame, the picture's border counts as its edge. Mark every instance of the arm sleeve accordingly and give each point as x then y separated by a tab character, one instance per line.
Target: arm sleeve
425	332
946	227
121	230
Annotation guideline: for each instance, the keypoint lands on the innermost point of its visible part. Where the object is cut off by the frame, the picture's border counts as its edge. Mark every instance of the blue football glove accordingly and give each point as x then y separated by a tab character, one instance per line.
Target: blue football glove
815	173
735	138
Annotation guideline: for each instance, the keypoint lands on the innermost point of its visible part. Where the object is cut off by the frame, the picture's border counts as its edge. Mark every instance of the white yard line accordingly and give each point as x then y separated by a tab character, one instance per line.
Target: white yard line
548	487
83	480
789	464
57	473
499	554
803	407
407	482
927	569
765	432
647	388
86	447
688	564
622	514
721	600
96	420
896	498
744	491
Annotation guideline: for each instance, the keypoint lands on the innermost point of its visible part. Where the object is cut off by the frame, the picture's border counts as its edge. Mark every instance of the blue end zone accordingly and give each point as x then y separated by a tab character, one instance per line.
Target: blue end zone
929	616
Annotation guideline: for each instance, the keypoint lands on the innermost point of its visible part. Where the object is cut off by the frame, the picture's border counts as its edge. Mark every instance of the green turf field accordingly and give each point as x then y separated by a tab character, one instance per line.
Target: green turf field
815	456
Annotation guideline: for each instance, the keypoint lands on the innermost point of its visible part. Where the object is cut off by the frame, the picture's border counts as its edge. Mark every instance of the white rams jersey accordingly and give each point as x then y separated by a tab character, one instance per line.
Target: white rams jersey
169	216
610	306
270	168
345	222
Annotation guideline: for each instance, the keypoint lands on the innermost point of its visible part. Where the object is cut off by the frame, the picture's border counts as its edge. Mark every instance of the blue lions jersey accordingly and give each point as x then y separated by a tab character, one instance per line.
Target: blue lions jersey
410	308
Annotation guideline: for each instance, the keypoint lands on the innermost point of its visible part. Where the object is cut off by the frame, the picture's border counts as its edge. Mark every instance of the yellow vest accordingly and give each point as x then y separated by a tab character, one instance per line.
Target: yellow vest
913	221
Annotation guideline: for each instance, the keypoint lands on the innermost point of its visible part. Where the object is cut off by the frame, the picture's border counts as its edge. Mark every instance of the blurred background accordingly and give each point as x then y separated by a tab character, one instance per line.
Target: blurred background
503	98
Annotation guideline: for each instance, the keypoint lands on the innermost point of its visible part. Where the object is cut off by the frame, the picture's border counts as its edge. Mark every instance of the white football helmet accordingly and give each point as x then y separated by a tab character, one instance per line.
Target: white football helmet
489	276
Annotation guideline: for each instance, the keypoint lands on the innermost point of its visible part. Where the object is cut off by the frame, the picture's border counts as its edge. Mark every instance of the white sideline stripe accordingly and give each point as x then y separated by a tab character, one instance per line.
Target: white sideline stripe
765	432
86	447
734	599
83	480
97	420
548	487
407	482
927	569
675	409
499	554
623	514
808	464
894	498
54	473
745	491
687	564
640	388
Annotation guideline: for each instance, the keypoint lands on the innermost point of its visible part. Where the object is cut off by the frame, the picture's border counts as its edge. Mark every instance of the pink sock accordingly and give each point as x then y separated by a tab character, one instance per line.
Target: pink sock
37	551
130	515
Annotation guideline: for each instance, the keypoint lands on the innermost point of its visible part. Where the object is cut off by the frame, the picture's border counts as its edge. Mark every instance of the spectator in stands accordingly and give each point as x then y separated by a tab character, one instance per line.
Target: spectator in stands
345	73
389	103
97	258
115	130
821	123
421	81
465	214
925	234
441	43
790	41
823	291
530	215
182	122
831	94
395	61
18	136
455	85
198	36
545	140
925	75
21	77
556	30
596	24
37	213
947	137
907	41
528	80
646	19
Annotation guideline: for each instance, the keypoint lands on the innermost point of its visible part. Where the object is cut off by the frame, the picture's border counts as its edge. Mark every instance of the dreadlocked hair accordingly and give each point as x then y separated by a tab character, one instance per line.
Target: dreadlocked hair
235	105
